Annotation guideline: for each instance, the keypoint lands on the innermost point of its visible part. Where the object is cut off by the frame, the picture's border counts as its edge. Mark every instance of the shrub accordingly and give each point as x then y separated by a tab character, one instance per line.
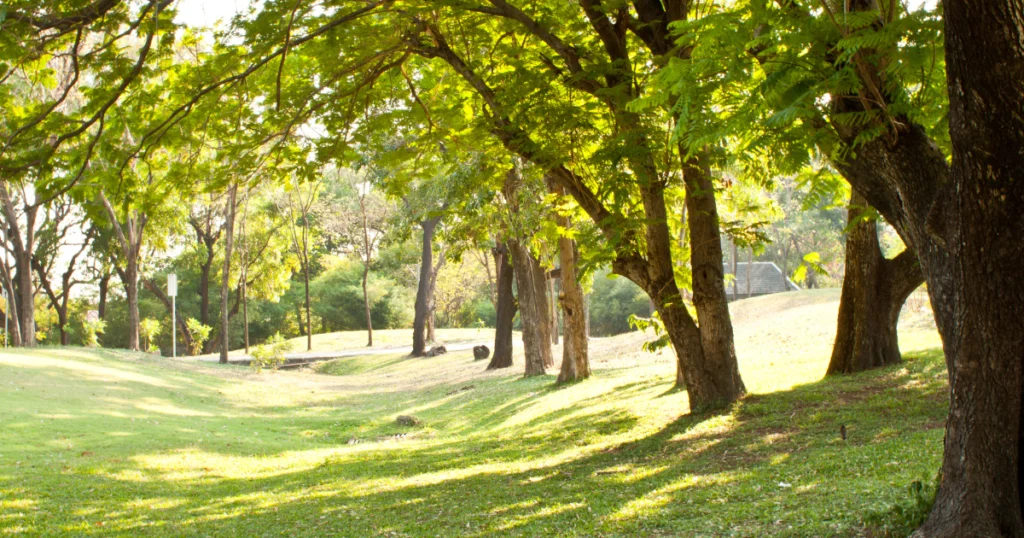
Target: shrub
149	329
93	329
200	334
270	354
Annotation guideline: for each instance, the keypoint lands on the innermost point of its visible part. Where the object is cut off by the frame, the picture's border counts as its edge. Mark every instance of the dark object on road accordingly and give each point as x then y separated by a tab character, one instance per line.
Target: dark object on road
481	352
407	420
436	350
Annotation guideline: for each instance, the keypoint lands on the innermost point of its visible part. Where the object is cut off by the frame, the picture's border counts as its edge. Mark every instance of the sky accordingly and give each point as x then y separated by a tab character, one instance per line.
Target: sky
207	12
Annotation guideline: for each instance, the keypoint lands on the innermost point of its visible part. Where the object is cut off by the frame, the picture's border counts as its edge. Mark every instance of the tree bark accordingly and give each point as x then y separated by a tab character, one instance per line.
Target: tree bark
129	238
575	352
506	309
423	308
534	339
104	284
225	284
22	246
874	290
720	370
131	286
540	288
978	288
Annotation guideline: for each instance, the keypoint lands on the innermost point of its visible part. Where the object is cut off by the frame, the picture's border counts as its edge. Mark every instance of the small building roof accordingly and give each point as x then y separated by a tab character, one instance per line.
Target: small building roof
765	278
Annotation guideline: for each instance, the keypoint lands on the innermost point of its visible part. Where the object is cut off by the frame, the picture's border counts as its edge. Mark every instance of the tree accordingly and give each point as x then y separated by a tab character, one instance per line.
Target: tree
425	289
61	220
954	215
225	317
506	309
302	203
575	354
874	290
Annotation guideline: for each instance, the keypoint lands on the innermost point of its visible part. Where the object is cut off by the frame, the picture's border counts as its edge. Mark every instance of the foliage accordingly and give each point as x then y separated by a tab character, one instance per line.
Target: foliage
653	323
270	354
200	334
149	329
613	301
93	328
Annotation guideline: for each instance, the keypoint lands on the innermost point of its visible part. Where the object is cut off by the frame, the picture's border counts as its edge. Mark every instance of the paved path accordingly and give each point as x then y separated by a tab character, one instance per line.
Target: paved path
313	356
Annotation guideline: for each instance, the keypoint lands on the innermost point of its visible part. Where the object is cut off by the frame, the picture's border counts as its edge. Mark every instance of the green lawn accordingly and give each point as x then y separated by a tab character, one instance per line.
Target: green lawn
108	443
382	339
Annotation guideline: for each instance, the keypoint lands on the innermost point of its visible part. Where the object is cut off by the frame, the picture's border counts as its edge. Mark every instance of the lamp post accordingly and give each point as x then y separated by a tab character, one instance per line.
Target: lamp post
172	290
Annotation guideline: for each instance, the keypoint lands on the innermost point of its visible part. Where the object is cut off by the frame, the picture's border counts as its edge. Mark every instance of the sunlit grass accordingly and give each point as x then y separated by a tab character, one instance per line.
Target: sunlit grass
105	443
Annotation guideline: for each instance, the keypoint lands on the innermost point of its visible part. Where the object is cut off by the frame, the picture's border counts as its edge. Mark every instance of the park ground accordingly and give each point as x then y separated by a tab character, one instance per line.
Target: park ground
107	443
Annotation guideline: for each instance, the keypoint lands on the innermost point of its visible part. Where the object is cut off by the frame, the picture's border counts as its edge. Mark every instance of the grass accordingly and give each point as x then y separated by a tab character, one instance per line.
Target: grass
118	444
382	339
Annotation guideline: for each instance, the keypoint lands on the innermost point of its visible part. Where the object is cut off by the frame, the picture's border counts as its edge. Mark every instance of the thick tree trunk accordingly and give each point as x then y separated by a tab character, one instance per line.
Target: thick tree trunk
530	310
874	290
575	352
506	309
709	299
540	288
980	227
25	290
423	291
225	284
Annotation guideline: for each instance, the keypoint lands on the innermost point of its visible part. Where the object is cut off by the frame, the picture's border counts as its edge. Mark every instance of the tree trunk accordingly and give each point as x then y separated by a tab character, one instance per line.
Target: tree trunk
540	288
534	339
366	306
305	274
367	252
131	287
506	310
225	283
423	292
26	297
553	294
104	284
874	290
980	227
245	309
720	373
575	352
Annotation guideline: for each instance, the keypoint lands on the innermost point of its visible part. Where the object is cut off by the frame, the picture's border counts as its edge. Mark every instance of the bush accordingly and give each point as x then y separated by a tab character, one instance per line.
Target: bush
149	329
200	334
270	354
613	301
93	329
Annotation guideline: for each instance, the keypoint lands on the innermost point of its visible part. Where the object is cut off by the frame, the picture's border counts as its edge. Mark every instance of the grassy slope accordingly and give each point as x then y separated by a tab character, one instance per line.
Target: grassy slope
120	444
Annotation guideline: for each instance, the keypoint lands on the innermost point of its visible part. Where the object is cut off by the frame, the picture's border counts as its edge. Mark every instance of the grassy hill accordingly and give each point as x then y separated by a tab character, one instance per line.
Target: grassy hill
116	444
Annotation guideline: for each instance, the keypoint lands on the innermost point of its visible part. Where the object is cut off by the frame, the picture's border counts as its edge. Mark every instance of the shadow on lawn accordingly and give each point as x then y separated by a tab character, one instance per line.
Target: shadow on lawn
560	472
